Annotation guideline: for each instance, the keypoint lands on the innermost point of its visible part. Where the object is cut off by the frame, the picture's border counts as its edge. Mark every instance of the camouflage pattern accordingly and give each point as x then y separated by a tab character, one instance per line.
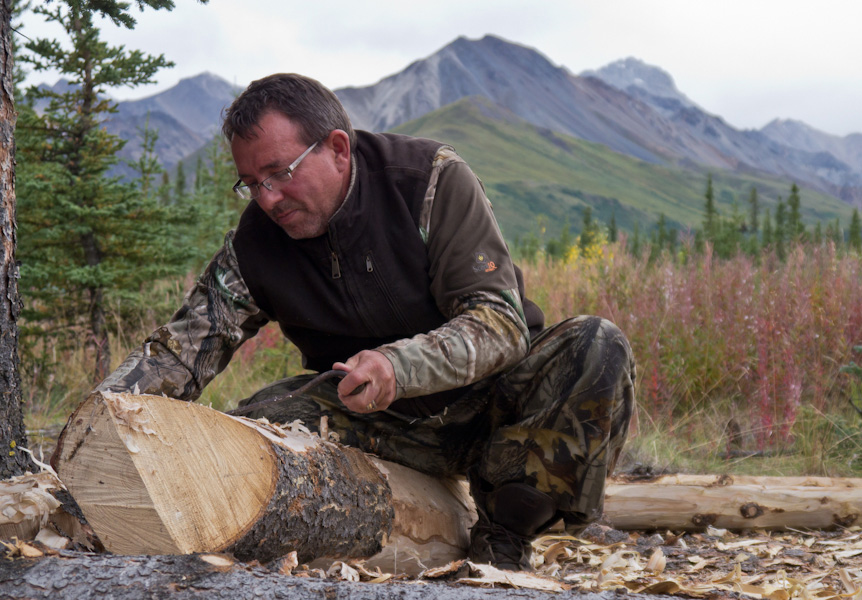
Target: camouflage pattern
556	420
179	359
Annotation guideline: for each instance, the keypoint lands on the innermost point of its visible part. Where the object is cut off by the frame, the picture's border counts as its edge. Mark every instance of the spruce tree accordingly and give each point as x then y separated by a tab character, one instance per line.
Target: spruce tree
817	234
781	229
589	231
85	236
754	213
795	227
613	231
710	216
854	232
180	190
768	235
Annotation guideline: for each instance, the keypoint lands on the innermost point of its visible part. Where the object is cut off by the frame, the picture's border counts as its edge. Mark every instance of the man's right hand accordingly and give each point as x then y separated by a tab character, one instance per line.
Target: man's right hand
372	369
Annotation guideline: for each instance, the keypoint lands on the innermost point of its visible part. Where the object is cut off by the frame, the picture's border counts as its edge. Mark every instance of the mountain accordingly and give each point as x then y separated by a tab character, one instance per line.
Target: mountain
825	162
186	117
644	82
535	172
796	134
625	111
630	107
519	79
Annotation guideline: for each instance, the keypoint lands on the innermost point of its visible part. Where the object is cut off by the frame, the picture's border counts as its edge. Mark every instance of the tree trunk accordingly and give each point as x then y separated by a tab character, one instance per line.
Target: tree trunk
96	311
691	502
159	476
13	461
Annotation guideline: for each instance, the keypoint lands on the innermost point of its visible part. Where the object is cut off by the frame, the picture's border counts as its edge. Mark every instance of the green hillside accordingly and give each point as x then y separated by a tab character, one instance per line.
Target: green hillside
529	172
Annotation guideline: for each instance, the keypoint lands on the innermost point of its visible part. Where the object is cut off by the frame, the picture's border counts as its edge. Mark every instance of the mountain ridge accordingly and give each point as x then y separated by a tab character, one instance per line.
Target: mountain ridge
628	106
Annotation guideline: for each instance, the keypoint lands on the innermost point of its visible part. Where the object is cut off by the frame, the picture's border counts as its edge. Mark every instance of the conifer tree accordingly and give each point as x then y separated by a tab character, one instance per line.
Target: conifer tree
781	229
817	235
613	231
795	227
636	240
754	212
180	183
767	240
589	231
85	235
710	216
854	232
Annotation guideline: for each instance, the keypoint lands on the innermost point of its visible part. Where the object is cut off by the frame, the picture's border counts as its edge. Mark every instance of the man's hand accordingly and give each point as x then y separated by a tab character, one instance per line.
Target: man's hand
375	371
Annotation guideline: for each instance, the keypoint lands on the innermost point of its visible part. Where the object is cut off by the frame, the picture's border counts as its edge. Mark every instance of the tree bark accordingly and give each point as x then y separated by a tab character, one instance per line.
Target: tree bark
13	461
692	502
159	476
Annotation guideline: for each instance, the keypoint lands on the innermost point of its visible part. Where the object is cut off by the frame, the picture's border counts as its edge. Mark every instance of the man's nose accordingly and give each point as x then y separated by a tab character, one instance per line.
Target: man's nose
267	199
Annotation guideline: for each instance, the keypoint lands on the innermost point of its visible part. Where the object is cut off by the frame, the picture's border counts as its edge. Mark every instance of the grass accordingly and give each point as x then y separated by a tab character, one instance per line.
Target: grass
739	361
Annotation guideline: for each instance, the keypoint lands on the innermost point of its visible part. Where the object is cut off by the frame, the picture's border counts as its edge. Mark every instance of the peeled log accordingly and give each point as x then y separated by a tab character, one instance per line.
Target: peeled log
159	476
691	502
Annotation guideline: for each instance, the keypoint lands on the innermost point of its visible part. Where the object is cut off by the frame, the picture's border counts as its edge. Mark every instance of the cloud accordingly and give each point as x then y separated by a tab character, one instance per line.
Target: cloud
737	58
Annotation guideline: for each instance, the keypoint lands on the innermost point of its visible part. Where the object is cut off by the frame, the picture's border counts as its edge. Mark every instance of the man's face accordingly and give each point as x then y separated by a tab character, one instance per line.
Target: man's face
303	206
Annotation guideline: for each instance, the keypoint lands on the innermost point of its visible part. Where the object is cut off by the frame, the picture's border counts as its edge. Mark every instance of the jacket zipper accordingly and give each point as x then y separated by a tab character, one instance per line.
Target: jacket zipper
333	257
393	305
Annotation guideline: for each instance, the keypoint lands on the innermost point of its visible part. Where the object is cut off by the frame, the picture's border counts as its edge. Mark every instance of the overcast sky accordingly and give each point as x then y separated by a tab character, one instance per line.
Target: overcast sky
749	61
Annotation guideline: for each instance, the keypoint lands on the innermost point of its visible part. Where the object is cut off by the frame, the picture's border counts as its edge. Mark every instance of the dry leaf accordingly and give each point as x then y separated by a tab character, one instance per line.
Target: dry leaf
489	576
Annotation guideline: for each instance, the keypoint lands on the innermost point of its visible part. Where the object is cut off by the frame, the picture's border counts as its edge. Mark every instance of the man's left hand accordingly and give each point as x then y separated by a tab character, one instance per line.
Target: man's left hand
375	371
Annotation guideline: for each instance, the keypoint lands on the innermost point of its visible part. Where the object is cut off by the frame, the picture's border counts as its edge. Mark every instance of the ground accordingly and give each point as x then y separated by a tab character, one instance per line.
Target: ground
601	563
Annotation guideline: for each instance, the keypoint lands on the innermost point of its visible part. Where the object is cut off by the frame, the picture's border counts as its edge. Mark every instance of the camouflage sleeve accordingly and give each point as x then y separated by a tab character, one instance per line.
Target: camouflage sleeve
179	359
473	282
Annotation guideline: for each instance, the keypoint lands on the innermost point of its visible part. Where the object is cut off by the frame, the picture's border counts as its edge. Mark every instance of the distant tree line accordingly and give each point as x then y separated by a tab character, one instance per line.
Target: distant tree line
753	232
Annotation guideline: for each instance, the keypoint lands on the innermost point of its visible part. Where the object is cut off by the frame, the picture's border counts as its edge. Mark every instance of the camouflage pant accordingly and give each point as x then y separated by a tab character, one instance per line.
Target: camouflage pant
557	420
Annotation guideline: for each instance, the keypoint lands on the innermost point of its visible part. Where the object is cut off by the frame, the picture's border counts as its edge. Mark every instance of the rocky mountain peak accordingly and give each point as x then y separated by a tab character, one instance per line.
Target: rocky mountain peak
644	81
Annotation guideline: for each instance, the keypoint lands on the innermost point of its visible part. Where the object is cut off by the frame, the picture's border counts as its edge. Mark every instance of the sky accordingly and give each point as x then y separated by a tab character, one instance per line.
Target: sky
748	61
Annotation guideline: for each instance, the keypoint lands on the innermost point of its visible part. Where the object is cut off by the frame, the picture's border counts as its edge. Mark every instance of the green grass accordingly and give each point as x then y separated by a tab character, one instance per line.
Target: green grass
530	171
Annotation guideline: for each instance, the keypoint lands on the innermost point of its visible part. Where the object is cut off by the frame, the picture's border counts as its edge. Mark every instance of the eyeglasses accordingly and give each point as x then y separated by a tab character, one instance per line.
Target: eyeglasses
280	178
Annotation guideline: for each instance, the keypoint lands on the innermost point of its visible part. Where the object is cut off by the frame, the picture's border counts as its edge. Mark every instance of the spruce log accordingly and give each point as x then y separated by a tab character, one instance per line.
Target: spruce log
159	476
692	502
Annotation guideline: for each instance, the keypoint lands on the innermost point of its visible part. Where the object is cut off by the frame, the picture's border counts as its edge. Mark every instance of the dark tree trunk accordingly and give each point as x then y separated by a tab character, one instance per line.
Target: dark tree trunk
98	324
13	461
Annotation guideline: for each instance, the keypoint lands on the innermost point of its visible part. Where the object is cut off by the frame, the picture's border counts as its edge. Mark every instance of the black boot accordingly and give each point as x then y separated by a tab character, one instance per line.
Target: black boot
510	518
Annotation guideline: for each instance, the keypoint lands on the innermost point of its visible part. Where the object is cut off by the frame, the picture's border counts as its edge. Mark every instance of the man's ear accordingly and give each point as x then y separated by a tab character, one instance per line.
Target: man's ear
339	142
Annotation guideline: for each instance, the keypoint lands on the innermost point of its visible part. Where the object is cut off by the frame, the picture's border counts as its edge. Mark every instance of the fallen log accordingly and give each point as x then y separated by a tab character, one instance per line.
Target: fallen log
158	476
72	576
692	502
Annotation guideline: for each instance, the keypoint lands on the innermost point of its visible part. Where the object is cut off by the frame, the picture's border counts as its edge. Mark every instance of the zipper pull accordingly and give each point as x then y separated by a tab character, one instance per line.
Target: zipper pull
368	266
336	268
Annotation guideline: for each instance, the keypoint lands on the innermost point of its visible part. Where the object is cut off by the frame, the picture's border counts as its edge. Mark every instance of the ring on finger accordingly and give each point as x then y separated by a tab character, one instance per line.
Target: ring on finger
371	405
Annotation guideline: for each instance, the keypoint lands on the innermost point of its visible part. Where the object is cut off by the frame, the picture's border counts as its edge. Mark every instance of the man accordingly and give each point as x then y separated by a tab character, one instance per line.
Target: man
379	255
